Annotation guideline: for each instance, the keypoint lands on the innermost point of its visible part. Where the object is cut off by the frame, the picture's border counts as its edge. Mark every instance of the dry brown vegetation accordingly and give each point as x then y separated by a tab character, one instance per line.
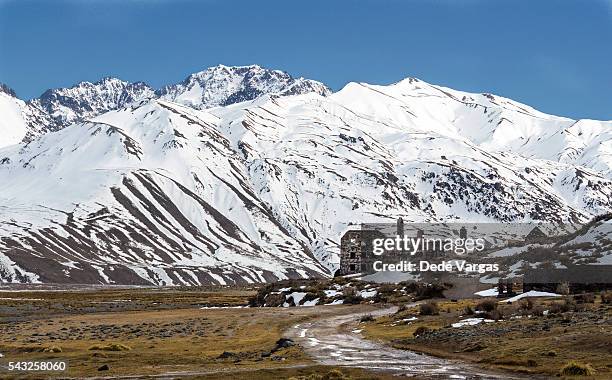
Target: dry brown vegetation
146	332
533	336
271	295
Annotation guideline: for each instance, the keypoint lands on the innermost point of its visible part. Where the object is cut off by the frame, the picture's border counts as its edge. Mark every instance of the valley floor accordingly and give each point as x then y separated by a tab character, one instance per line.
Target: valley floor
162	333
535	338
207	333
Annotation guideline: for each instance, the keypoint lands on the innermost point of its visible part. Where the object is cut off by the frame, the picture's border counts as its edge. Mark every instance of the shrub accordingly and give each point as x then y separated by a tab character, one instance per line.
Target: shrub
259	299
274	300
526	304
110	347
468	310
349	291
486	305
402	299
311	296
334	374
380	298
568	304
421	330
340	280
427	291
351	296
386	289
577	369
53	349
555	308
227	355
495	315
563	288
585	298
352	300
430	308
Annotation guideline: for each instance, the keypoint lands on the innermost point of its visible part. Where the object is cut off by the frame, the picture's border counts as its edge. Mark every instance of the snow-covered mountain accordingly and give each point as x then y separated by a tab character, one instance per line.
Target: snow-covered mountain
149	194
591	244
58	108
13	127
220	85
223	85
159	192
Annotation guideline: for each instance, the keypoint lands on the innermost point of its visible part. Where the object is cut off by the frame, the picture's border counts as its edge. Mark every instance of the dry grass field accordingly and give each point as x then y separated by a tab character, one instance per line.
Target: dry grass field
114	333
534	339
207	333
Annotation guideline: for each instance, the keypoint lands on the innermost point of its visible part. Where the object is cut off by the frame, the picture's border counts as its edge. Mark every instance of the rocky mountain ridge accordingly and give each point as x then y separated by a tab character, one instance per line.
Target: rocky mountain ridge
216	86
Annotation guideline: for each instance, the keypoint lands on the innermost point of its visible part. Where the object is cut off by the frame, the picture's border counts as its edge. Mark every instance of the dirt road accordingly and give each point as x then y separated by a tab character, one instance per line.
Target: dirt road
337	341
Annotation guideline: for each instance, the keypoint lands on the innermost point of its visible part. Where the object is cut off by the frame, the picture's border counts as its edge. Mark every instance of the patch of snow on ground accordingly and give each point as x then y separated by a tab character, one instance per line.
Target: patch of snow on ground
368	293
471	322
487	293
331	293
297	298
531	293
311	303
405	321
604	260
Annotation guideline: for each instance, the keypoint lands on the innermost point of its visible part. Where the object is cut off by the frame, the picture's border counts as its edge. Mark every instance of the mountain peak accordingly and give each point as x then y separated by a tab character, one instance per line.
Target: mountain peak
215	86
223	85
109	80
7	90
60	107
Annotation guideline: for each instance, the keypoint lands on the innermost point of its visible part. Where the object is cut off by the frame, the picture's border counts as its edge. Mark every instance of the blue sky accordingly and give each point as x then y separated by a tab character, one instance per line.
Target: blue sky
555	55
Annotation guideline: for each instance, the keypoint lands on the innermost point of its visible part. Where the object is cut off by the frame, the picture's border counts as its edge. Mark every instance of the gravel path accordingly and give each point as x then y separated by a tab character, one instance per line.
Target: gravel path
337	341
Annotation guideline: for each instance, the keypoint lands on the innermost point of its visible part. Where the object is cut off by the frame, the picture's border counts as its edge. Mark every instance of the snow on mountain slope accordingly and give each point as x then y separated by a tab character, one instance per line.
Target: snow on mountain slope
151	194
162	193
491	122
363	155
590	245
12	125
222	85
58	108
